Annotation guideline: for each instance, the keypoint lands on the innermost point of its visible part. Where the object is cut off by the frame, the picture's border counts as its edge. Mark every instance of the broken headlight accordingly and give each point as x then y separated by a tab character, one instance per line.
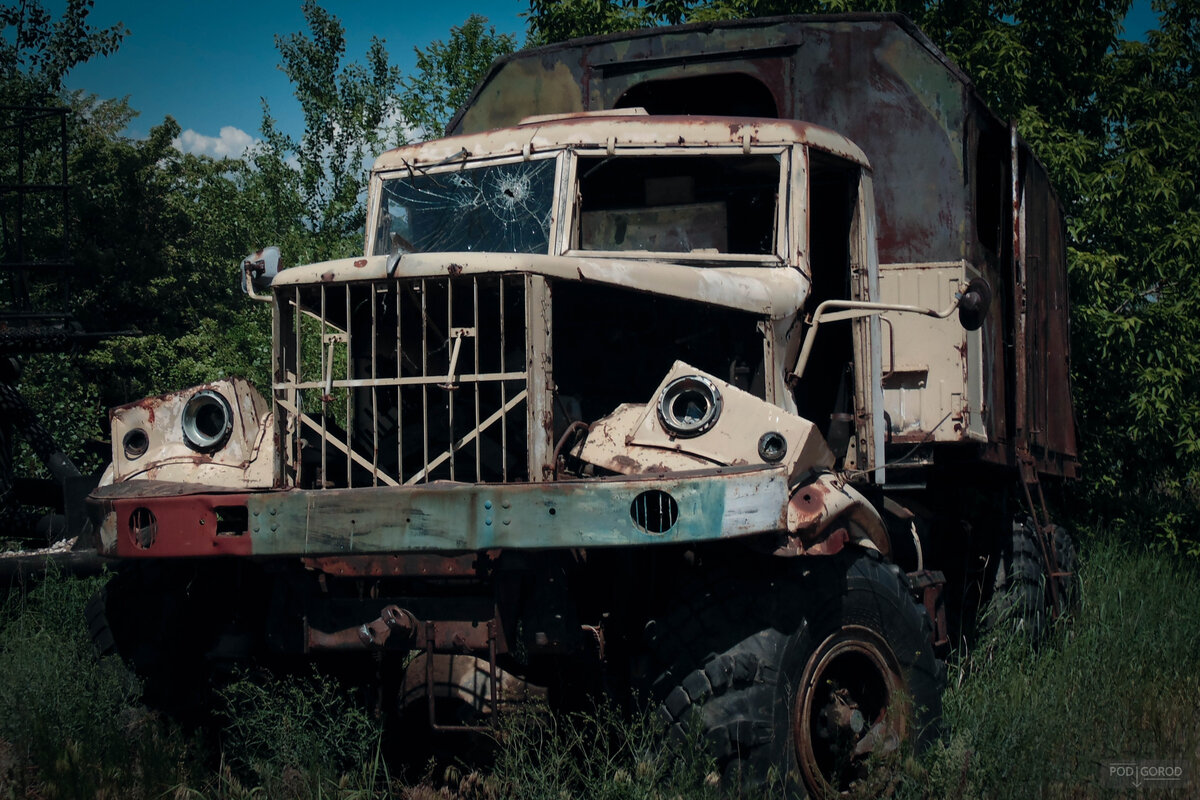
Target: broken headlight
207	421
689	405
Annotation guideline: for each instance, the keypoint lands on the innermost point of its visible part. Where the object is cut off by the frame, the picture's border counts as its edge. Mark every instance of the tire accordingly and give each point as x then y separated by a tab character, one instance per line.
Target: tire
96	615
764	704
144	617
1018	599
1066	557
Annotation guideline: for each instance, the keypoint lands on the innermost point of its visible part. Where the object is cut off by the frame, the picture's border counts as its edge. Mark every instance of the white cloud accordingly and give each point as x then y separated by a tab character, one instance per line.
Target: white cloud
232	143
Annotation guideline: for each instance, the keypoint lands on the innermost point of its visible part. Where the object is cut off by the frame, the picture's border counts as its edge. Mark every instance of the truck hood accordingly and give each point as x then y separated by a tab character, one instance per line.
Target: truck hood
777	292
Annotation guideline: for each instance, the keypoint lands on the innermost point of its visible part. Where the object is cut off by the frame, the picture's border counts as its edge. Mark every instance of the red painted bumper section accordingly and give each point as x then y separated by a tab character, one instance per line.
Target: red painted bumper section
166	526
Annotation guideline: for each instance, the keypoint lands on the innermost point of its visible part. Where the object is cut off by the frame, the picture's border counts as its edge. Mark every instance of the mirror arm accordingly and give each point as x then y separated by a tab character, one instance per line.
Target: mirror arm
248	267
834	310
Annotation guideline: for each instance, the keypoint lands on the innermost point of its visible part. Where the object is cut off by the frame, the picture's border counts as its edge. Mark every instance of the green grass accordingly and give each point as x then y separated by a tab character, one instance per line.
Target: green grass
1120	681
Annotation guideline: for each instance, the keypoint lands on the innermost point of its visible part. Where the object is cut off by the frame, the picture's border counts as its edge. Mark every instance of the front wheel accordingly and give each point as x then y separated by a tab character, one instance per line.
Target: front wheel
841	667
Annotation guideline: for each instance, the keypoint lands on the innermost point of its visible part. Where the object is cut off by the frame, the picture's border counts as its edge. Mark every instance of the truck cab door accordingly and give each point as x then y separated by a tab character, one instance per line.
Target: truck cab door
840	390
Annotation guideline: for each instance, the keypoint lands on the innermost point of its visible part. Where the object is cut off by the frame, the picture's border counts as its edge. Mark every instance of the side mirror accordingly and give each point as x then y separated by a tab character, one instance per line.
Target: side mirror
974	303
258	270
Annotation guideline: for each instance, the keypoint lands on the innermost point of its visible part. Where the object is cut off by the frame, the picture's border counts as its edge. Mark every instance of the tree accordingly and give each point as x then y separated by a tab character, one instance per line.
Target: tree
1136	242
37	51
310	188
448	72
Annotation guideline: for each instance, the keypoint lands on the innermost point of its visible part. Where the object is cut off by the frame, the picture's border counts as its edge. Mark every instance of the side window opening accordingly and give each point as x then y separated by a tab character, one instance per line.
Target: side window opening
826	392
679	204
992	199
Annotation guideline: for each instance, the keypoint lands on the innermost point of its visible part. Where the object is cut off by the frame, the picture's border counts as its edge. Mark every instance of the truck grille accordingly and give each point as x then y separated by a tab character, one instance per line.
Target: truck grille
403	381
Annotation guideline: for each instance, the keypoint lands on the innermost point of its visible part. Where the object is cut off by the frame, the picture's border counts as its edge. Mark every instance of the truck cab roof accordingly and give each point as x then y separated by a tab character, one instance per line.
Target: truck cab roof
632	128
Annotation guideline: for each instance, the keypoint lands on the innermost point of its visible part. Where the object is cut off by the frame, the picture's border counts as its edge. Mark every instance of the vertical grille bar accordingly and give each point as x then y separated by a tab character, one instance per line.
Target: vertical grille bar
349	405
324	395
400	390
503	387
477	323
424	374
297	397
374	386
450	378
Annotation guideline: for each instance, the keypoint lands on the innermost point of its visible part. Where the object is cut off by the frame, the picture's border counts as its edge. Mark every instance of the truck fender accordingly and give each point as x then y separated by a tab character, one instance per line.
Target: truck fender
826	513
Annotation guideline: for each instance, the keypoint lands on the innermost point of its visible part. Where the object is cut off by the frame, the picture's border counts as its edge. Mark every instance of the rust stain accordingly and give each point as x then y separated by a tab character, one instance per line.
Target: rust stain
831	545
455	269
805	509
624	462
360	263
327	277
413	565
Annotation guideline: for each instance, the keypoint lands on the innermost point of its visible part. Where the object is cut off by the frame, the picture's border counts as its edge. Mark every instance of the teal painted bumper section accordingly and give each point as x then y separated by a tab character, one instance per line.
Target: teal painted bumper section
713	504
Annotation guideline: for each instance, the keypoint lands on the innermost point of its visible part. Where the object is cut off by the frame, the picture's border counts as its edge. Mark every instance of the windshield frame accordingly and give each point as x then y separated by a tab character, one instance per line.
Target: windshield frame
564	210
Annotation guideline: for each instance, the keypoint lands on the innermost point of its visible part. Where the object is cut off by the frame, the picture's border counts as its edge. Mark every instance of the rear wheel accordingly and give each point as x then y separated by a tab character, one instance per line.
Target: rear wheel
1066	578
840	667
1019	589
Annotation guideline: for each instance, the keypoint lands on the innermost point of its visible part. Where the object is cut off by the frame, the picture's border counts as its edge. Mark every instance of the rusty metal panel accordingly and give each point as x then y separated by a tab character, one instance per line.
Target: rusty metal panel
165	526
149	442
418	565
873	78
932	367
1046	402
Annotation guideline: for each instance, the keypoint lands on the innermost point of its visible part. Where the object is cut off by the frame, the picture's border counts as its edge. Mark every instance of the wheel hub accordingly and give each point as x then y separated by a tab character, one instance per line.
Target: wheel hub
850	704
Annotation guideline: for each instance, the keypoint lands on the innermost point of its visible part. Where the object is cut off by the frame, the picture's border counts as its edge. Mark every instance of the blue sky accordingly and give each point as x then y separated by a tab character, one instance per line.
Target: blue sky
208	63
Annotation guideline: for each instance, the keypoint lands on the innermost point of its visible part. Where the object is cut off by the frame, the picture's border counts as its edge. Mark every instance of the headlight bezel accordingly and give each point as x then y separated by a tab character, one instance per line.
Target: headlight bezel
202	431
685	389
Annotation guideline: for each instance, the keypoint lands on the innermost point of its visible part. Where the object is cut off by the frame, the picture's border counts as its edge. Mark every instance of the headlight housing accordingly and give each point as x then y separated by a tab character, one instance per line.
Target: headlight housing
207	421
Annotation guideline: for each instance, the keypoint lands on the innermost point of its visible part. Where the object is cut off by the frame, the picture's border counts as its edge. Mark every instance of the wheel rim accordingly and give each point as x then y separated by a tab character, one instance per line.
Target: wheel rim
851	703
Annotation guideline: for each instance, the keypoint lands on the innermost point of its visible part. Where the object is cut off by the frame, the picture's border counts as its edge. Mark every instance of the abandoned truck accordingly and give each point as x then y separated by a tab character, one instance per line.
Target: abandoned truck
685	368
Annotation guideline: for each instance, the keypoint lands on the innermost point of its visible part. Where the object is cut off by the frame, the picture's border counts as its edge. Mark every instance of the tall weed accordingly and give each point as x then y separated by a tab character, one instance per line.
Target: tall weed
1120	681
295	731
70	723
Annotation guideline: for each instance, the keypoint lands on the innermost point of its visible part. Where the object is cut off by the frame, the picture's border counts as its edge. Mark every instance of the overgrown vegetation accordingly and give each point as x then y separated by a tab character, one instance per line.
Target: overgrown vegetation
1121	681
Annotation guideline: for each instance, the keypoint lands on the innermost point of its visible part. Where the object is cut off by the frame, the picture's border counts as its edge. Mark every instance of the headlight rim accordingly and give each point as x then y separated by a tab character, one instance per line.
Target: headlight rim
193	436
673	390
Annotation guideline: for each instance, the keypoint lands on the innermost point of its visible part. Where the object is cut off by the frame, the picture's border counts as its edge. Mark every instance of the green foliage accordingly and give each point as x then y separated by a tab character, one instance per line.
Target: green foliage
557	20
37	51
158	236
1119	682
1028	723
447	74
1136	232
69	723
309	190
275	728
600	754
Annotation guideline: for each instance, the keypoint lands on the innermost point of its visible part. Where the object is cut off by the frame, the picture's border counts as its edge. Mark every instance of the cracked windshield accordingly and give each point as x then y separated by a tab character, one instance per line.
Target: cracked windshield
498	209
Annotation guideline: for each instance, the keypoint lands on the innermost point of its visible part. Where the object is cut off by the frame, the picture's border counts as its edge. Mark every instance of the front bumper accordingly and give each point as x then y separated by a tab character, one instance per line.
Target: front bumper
155	519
